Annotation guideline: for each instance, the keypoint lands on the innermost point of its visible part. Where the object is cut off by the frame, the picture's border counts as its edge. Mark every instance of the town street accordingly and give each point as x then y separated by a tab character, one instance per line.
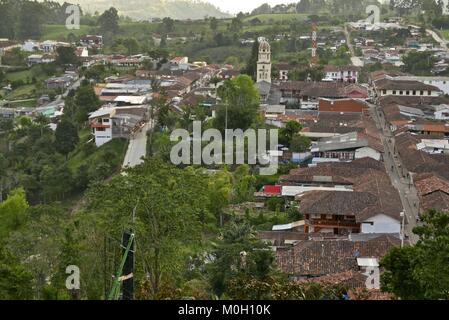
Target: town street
137	148
393	165
435	36
356	61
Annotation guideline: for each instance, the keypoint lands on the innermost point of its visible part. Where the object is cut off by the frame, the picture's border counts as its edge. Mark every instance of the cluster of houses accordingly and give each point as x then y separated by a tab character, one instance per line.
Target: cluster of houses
183	84
352	213
374	51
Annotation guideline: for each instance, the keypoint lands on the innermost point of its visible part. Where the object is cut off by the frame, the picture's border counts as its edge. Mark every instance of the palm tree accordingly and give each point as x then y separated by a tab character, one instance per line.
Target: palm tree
42	122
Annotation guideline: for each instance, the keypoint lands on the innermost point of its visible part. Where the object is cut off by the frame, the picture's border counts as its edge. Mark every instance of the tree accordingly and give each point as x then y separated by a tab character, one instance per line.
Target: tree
31	19
236	25
420	63
238	254
131	45
263	9
84	101
66	56
239	104
213	24
286	134
419	272
15	280
300	143
303	6
220	192
251	66
66	137
168	24
244	184
42	122
244	287
13	212
163	198
108	21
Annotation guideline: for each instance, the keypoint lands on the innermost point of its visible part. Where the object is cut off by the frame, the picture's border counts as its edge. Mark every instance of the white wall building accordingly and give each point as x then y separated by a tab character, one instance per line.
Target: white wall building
381	223
441	83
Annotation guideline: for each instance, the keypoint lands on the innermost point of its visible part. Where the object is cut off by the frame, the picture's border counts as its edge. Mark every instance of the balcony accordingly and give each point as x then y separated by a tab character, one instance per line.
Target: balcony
332	223
96	125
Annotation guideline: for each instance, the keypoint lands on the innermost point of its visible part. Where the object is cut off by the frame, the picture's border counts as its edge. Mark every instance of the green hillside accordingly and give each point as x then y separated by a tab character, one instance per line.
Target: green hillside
144	10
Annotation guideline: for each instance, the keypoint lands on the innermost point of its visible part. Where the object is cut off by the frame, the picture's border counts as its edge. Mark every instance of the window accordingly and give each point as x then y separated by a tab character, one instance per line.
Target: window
407	92
384	91
105	120
429	93
394	91
100	129
414	92
401	92
421	93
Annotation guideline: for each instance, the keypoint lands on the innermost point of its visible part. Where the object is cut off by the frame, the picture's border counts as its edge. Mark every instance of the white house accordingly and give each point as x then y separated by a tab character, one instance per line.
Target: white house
348	74
381	223
112	122
442	112
30	46
441	83
179	63
388	87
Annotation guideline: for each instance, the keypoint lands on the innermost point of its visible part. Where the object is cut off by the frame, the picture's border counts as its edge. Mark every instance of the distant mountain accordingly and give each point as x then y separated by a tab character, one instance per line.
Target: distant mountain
148	9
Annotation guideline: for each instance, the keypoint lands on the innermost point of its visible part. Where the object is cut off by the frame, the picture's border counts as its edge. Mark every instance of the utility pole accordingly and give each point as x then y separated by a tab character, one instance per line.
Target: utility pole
126	265
402	228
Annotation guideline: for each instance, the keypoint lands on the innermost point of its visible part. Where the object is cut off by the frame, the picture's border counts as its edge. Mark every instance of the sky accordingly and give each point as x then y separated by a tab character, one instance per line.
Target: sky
235	6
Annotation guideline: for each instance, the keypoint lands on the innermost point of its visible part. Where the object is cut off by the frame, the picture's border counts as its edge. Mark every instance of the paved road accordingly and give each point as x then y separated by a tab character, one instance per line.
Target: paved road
403	184
137	148
435	36
356	61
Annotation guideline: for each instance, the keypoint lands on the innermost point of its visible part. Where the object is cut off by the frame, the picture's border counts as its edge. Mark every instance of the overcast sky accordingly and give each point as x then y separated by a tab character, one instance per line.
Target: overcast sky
235	6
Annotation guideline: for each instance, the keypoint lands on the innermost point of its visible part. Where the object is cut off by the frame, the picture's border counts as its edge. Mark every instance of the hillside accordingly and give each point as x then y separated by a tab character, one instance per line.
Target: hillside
144	10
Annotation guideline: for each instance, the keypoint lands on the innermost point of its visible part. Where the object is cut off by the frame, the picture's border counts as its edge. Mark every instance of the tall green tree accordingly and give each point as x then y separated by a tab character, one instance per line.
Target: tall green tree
66	137
239	253
109	21
419	63
163	198
13	212
251	66
239	104
66	56
286	134
15	280
31	19
213	24
420	271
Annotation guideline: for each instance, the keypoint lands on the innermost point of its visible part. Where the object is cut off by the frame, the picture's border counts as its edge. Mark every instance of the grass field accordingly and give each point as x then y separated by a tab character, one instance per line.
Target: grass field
444	33
19	75
60	32
28	90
